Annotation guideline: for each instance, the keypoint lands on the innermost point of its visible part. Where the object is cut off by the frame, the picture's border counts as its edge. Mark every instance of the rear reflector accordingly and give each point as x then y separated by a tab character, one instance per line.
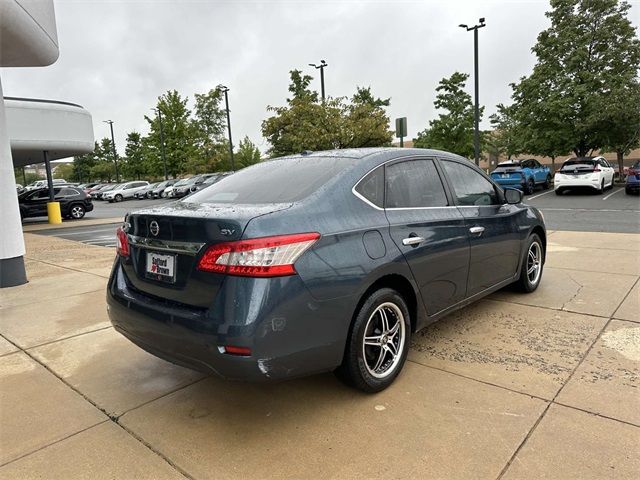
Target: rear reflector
122	242
240	351
258	257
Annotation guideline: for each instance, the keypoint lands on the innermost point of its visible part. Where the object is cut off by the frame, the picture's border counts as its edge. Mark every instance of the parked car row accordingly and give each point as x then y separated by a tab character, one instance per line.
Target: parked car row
593	173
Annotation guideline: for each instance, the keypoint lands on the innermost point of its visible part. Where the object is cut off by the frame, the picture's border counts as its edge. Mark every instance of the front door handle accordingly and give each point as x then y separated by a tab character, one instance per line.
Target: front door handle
477	230
412	240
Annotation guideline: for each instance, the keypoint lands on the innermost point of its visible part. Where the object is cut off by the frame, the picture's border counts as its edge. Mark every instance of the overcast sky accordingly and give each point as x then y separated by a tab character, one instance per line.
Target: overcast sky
117	57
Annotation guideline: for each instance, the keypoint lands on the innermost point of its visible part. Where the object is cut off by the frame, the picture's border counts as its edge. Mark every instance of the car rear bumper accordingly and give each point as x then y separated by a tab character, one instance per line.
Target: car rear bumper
509	182
290	334
577	183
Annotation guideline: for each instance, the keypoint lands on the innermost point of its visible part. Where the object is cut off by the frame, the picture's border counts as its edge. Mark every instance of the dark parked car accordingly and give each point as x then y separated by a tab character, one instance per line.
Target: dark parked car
522	174
209	181
74	202
146	192
632	183
158	191
321	261
195	181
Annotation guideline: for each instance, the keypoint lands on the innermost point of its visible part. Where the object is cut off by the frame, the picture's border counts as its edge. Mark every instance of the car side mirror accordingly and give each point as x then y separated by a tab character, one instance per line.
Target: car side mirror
513	196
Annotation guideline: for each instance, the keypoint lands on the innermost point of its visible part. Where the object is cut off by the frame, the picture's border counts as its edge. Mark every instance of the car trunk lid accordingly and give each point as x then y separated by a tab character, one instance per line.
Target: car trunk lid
174	237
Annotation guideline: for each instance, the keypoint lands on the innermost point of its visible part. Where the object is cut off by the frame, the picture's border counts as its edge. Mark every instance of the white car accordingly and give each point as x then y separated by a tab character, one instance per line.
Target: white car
44	184
124	191
590	172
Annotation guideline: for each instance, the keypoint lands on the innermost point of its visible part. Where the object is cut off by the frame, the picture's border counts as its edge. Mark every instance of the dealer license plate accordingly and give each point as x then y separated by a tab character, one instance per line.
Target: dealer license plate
161	267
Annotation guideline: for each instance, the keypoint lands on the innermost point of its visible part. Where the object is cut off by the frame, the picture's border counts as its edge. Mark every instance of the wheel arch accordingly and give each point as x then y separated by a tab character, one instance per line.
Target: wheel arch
538	230
403	286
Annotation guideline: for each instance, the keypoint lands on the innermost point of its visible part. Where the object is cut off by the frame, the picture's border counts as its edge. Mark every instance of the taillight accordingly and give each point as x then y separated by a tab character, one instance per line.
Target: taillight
122	242
631	171
596	169
258	257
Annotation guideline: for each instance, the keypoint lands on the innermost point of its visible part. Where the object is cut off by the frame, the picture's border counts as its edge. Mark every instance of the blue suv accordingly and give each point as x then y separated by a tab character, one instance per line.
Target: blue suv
522	174
632	184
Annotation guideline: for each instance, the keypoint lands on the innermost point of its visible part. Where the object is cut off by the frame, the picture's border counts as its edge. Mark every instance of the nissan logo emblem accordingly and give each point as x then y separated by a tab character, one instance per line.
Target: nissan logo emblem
154	228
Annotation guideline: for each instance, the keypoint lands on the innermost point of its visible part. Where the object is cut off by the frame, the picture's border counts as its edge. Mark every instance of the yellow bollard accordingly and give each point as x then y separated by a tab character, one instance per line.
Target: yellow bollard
53	212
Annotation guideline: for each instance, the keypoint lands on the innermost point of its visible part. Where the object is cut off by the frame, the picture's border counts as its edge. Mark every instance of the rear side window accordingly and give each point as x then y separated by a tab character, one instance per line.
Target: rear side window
469	186
275	181
414	184
371	187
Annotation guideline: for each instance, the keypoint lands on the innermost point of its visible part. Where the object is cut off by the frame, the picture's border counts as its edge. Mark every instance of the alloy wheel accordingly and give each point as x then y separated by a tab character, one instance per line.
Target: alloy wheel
383	341
534	263
77	211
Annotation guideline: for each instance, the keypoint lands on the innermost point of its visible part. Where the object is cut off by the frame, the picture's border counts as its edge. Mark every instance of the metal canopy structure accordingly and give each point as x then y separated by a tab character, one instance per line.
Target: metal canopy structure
34	126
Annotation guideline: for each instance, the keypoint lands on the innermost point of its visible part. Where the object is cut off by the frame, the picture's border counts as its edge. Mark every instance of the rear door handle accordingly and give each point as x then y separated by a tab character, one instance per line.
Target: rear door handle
476	230
412	240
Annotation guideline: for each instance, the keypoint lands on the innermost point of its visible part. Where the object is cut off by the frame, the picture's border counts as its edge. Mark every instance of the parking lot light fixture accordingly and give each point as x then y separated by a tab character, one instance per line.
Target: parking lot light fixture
476	133
225	90
321	66
113	147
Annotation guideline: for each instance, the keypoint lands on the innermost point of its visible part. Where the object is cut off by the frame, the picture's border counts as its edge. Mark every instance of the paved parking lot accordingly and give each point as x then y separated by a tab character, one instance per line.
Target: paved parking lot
516	386
612	212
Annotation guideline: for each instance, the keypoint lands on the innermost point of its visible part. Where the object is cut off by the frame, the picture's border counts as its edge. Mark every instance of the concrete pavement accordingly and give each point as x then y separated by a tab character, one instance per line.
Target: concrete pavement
545	385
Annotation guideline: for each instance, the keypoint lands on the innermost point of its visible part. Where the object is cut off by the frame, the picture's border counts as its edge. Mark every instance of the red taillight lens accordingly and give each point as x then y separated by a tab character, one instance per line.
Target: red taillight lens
596	169
240	351
631	171
258	257
122	242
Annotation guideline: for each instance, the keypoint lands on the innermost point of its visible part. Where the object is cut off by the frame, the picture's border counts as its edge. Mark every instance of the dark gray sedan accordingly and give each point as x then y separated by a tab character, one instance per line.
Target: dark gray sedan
321	261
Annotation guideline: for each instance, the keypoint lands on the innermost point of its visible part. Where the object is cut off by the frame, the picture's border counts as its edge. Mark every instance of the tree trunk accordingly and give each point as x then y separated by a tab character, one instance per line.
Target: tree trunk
553	164
620	156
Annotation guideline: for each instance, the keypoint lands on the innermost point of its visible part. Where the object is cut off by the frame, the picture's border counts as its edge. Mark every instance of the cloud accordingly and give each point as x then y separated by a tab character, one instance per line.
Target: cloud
117	57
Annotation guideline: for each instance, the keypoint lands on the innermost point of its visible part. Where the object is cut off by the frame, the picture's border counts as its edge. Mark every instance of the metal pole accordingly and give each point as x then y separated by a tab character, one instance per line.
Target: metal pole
322	80
401	142
164	157
476	133
47	166
115	155
24	177
226	102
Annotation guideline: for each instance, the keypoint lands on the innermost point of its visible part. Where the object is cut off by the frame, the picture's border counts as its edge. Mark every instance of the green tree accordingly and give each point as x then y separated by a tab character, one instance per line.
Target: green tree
506	137
133	165
66	171
307	124
589	45
82	165
454	128
248	154
179	135
209	124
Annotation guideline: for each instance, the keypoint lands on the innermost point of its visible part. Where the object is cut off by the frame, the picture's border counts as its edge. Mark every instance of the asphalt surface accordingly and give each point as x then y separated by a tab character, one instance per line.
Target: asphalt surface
613	211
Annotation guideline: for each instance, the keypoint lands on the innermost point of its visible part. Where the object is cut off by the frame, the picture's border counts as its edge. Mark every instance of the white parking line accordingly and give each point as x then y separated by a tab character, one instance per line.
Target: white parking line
612	193
540	194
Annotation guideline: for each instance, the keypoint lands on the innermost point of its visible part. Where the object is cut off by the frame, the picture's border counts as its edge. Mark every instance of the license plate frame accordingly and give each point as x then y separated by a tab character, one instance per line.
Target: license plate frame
164	261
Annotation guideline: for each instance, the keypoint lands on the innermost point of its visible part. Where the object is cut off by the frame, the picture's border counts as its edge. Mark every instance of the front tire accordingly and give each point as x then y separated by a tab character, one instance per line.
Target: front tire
118	198
532	265
378	342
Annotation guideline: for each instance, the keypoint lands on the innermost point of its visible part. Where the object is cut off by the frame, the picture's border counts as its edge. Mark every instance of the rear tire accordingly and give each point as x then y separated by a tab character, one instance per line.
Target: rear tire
600	191
77	211
559	192
532	266
547	183
383	321
531	186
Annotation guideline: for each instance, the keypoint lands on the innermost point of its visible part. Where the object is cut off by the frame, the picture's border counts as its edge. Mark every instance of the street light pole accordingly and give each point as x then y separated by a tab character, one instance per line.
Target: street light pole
164	157
322	65
476	133
225	90
113	146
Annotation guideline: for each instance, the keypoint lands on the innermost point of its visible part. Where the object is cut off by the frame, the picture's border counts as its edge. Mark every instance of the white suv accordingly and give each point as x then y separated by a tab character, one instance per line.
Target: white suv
591	172
124	191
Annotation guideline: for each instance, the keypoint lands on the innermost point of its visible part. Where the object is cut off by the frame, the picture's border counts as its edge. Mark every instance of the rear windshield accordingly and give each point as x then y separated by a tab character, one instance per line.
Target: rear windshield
586	162
275	181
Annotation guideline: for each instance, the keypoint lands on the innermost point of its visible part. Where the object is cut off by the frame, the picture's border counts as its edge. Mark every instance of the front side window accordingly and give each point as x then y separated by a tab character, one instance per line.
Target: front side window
371	187
469	186
414	184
